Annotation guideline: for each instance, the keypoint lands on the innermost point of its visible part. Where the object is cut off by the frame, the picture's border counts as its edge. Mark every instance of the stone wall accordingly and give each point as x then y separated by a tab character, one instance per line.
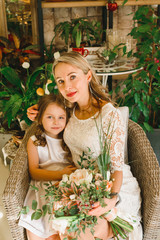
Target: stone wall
122	19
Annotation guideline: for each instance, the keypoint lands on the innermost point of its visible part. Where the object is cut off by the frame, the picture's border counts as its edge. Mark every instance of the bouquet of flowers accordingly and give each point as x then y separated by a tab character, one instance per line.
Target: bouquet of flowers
73	198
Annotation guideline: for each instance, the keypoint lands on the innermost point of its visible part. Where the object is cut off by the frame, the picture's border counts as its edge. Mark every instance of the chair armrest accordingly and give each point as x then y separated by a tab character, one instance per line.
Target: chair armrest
16	188
145	168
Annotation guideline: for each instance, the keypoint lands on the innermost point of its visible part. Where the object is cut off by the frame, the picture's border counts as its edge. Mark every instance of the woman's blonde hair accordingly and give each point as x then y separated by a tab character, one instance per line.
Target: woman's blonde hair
95	87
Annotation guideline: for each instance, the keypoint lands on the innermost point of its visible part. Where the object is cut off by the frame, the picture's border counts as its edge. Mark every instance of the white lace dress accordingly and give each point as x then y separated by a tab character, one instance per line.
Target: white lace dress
51	157
81	134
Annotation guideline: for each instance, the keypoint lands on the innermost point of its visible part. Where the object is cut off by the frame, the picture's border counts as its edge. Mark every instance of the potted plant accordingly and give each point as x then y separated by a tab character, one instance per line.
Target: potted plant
80	32
15	50
17	94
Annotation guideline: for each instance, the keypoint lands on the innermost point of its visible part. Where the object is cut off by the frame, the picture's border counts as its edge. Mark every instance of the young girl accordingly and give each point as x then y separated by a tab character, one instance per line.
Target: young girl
48	160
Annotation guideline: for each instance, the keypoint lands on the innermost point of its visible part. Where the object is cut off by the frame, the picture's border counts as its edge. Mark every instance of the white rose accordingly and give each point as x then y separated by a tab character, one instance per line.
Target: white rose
26	65
60	225
65	178
81	176
72	197
58	205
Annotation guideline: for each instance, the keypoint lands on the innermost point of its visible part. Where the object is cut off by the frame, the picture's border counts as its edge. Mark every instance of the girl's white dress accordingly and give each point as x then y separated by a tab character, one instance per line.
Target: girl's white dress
51	157
80	135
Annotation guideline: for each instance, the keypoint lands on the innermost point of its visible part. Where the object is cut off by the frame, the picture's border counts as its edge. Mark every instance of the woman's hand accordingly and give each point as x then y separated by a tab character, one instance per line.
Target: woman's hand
68	170
97	210
32	112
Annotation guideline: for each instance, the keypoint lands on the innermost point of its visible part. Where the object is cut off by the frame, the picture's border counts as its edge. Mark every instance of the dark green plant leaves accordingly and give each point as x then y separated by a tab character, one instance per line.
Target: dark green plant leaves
142	90
11	75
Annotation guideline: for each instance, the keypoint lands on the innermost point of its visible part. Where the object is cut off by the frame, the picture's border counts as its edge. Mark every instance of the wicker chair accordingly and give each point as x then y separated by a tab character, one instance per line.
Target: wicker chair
144	166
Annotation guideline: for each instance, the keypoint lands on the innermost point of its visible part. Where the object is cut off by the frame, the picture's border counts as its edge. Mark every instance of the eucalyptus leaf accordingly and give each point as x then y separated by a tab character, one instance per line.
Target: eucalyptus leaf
36	215
34	204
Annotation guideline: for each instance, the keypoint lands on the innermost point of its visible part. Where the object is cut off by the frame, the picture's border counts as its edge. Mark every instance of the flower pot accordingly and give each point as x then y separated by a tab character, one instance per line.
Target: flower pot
83	51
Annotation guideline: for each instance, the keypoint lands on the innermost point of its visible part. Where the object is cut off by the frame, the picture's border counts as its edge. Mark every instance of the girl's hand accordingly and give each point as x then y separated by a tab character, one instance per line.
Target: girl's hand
69	169
97	210
32	112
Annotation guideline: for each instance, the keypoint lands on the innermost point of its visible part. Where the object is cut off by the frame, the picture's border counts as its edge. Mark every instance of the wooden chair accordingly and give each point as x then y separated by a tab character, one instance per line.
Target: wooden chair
144	165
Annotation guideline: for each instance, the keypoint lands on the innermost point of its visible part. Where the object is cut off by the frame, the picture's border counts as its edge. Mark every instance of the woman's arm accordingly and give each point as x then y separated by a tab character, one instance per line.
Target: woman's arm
32	112
42	174
117	160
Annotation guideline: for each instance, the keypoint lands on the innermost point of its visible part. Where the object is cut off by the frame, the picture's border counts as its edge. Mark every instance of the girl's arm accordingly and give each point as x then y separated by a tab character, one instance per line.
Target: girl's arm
42	174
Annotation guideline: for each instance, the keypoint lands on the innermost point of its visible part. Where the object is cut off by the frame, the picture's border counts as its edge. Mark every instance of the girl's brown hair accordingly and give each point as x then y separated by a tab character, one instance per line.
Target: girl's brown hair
95	87
42	105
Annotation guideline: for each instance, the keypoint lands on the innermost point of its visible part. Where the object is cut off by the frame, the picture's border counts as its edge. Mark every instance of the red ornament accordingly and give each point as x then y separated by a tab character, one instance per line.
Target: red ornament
112	6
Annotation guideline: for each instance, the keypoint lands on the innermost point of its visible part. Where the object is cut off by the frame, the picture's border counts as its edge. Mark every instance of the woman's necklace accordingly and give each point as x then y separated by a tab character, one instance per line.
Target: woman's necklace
86	108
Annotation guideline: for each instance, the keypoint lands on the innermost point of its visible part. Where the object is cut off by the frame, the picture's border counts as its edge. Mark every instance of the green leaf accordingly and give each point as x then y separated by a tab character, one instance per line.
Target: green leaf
4	94
135	114
32	78
24	210
144	28
147	127
11	75
156	37
124	2
13	105
36	215
73	210
34	204
137	97
33	187
59	213
45	209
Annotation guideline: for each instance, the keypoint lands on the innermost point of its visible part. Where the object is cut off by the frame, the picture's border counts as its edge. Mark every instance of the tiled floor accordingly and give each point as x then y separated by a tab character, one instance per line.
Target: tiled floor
4	228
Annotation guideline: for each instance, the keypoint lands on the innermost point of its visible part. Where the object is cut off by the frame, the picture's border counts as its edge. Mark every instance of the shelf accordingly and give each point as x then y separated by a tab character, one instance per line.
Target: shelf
94	3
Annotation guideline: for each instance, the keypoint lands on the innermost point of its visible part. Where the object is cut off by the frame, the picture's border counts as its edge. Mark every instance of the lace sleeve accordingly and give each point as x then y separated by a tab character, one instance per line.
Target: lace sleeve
114	130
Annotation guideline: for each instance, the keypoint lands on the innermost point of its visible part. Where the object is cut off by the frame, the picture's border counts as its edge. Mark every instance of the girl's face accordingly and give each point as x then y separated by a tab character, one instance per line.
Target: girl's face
72	82
54	120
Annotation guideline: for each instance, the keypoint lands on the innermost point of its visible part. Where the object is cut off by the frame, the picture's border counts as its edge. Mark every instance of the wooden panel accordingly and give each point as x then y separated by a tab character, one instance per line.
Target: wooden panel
95	3
3	20
33	5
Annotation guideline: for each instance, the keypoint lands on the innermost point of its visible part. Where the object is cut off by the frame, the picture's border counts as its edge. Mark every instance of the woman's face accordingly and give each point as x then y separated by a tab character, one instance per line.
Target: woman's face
72	82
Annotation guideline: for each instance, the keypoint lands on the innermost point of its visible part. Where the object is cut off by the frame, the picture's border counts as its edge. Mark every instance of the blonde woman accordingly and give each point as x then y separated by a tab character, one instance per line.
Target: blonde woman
83	94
